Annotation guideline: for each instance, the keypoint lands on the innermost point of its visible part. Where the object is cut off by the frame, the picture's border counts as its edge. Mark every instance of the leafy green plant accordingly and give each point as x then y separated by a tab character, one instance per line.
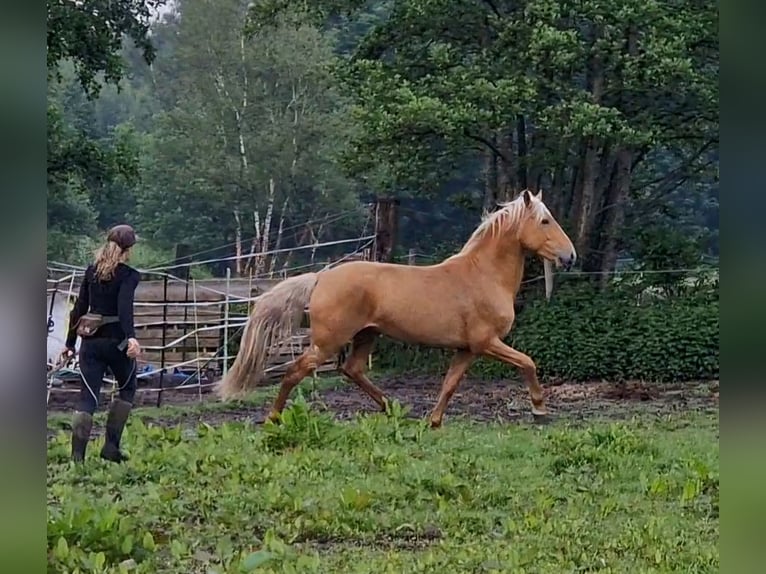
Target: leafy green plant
299	426
582	335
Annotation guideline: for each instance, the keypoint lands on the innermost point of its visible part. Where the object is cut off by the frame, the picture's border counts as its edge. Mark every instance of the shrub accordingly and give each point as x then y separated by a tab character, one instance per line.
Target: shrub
627	332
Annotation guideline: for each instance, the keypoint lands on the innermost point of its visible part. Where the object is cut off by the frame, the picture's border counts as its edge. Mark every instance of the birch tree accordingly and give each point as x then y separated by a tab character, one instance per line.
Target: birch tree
253	131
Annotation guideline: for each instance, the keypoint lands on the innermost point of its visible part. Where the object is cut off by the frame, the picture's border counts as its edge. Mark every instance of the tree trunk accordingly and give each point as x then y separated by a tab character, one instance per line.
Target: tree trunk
538	177
294	104
618	198
521	131
615	213
316	237
586	199
278	241
606	173
555	198
507	181
571	194
256	241
237	242
264	247
490	180
301	241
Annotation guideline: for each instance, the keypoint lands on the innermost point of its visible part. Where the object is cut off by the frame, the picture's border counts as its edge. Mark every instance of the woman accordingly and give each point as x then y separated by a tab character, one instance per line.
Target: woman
103	318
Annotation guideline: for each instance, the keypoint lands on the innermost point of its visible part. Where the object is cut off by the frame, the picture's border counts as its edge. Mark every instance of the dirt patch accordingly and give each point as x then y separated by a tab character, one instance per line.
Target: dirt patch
501	400
403	538
508	400
67	397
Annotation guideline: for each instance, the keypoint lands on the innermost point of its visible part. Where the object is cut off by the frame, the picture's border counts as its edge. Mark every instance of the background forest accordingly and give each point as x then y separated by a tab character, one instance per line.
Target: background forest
236	127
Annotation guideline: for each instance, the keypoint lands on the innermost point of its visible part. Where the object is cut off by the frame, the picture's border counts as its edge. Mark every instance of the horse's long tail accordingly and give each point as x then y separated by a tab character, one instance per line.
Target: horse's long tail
276	315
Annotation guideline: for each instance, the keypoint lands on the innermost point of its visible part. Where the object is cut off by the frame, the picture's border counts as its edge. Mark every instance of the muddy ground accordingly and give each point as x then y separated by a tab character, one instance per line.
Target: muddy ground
502	400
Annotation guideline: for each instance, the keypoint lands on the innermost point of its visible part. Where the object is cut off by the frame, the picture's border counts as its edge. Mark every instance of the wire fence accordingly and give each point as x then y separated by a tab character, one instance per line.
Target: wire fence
225	315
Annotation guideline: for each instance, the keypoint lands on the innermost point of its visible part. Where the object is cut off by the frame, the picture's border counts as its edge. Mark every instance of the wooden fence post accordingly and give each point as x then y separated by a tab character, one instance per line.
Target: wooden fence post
386	219
386	226
183	257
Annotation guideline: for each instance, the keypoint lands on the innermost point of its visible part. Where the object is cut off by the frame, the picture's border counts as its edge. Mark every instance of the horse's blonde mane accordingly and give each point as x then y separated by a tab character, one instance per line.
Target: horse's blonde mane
505	219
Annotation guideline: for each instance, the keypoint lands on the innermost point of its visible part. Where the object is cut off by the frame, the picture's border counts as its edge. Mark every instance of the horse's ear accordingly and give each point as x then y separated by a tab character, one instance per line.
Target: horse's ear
539	194
527	197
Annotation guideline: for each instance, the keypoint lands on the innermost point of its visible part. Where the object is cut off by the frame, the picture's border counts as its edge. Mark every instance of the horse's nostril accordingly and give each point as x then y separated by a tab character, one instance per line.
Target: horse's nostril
567	261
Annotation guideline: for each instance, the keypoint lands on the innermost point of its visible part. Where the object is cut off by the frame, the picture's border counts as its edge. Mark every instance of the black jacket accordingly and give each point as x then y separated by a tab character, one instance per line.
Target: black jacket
113	297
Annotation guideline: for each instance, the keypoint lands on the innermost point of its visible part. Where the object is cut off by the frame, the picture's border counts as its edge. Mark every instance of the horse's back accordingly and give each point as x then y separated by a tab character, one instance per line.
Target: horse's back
373	277
423	303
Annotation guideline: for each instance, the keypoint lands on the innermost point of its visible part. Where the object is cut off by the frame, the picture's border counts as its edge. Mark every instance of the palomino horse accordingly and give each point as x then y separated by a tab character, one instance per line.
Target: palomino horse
464	303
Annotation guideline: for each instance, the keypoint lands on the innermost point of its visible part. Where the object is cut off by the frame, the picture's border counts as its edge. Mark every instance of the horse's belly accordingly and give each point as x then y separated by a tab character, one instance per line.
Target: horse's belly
423	324
424	337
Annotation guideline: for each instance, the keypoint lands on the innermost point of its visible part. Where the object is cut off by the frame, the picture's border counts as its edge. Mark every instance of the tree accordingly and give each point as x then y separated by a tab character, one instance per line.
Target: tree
570	96
249	142
90	33
84	42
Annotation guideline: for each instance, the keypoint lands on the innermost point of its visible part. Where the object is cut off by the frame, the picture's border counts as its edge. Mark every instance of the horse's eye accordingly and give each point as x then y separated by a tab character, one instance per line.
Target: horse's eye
546	221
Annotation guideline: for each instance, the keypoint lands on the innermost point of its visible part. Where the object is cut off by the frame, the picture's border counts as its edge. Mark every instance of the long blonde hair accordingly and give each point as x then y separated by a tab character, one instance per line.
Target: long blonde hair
108	256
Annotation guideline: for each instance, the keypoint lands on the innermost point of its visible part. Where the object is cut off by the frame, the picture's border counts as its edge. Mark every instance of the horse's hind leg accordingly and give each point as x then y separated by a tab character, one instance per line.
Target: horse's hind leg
356	364
303	366
457	368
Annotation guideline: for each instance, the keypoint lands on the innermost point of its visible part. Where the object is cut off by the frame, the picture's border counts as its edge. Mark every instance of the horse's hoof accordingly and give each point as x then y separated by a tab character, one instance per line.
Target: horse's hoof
542	419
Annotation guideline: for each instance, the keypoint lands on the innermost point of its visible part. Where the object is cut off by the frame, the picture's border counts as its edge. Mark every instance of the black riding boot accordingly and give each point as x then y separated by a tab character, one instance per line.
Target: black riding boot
81	425
115	423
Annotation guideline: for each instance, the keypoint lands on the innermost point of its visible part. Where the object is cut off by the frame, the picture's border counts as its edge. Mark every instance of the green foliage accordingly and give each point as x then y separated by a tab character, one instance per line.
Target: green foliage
594	449
88	181
363	497
92	169
660	249
627	332
298	426
249	132
90	34
436	85
334	98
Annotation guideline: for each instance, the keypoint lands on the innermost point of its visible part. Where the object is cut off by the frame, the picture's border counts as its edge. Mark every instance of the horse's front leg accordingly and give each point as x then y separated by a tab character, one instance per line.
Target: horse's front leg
499	350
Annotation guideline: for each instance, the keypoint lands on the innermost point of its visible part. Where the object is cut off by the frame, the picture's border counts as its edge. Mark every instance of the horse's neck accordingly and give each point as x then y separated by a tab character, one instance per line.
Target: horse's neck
500	261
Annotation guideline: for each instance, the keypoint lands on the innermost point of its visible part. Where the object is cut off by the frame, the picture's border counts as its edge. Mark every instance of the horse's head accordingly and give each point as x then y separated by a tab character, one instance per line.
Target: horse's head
541	234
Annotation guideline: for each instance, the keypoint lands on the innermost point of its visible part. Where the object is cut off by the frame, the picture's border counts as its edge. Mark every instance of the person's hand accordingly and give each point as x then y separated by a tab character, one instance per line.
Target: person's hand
134	349
67	354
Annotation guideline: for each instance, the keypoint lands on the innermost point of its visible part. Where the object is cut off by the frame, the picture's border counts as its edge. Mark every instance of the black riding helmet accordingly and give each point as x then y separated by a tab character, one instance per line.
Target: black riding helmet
123	235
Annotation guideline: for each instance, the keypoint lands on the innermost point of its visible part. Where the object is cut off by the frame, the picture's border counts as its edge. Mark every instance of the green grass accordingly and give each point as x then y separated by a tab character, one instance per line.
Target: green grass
386	494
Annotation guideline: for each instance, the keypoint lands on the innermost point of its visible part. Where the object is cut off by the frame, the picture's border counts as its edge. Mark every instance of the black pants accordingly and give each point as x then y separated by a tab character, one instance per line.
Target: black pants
96	354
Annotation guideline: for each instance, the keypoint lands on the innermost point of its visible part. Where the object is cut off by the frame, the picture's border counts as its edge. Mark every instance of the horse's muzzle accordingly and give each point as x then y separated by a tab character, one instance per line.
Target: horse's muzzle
568	261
